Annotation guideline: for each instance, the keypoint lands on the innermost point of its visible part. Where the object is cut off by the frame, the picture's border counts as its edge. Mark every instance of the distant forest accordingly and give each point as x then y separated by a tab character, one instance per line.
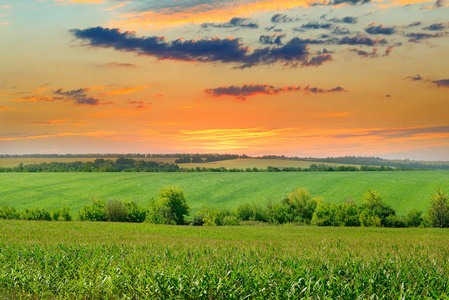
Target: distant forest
211	157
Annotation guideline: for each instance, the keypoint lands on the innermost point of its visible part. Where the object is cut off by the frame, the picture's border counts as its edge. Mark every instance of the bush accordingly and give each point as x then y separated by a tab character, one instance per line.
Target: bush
135	212
9	213
277	213
214	216
62	214
115	211
394	221
170	208
36	214
438	213
374	210
230	221
93	211
414	218
326	214
300	206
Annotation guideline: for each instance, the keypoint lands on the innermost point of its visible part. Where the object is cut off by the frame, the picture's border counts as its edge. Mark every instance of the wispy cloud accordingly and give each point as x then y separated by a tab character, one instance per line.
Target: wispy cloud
127	90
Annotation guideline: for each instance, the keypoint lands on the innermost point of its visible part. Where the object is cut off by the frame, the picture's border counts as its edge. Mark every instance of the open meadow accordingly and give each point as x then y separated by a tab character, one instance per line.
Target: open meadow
403	191
88	260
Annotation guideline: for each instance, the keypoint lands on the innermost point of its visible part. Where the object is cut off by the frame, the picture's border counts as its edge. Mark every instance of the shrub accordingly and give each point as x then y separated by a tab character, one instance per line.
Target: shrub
394	221
170	208
414	218
10	213
326	214
36	214
115	211
374	210
438	213
300	206
93	211
230	221
135	212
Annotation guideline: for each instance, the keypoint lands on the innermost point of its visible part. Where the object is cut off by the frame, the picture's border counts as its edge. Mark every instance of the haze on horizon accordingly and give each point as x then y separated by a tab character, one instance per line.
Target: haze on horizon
296	78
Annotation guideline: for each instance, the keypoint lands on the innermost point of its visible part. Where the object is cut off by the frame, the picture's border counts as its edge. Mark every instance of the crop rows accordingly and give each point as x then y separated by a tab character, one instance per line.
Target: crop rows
136	261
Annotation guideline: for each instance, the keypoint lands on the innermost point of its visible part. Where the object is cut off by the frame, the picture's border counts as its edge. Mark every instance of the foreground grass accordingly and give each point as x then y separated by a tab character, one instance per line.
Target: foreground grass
401	190
111	261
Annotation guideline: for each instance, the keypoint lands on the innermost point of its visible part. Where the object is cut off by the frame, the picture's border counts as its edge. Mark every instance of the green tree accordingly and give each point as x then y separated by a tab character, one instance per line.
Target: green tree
439	209
375	210
301	205
115	211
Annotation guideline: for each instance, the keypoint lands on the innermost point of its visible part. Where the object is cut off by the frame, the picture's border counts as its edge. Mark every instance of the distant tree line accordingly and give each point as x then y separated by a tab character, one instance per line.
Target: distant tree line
123	164
404	164
297	207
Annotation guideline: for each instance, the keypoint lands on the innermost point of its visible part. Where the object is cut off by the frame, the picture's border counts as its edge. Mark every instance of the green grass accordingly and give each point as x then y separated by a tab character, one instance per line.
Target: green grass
75	260
402	190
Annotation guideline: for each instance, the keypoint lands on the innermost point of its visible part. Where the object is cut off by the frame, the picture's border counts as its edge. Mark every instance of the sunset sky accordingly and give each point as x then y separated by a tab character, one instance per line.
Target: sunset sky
299	78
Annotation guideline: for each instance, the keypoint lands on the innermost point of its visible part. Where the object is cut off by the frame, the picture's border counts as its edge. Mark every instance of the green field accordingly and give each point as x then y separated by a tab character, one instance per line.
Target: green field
85	260
401	190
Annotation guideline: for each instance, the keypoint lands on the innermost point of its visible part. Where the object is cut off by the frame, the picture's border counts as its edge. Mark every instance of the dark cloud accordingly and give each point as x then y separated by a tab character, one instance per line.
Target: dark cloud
247	90
380	29
346	20
416	37
319	90
72	93
414	24
436	27
340	31
415	78
318	60
441	83
364	53
360	40
227	50
388	50
233	23
275	39
281	18
78	96
316	25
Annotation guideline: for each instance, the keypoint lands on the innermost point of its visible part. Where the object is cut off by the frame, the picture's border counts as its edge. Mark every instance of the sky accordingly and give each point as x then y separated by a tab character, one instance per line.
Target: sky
308	78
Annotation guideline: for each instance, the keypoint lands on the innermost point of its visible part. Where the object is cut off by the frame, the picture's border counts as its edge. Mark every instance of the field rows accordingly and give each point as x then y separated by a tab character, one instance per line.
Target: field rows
401	190
114	261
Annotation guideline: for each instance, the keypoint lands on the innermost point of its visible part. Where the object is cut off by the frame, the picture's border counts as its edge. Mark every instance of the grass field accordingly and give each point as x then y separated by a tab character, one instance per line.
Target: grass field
75	260
402	190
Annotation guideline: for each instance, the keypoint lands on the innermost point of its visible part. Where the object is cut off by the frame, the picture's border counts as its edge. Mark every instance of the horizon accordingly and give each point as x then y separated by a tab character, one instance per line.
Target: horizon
309	78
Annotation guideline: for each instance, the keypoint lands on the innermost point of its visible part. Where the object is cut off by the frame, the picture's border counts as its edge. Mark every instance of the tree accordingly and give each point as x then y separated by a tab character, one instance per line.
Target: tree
439	209
115	211
301	205
374	210
170	208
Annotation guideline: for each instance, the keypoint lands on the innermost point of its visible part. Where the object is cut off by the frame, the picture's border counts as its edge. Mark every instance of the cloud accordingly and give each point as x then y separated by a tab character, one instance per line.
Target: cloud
247	90
319	90
140	104
346	20
414	24
78	96
380	29
316	25
275	39
233	23
42	98
436	27
81	1
416	37
441	83
415	78
114	113
317	60
229	50
360	40
363	53
3	108
388	50
281	18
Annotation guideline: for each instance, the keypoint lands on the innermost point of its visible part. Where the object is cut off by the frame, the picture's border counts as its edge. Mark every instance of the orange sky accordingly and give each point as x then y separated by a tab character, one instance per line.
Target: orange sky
300	78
